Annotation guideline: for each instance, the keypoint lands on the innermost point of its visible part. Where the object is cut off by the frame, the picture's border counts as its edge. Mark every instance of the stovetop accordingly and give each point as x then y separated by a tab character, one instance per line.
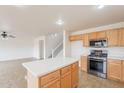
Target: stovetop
102	55
98	53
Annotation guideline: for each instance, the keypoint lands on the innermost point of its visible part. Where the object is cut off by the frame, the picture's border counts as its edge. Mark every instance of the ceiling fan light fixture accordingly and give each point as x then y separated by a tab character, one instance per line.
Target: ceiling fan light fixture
60	22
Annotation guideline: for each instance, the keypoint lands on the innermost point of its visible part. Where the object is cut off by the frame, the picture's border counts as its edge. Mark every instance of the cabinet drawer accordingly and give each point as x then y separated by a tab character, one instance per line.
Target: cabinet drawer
74	66
66	70
52	84
49	77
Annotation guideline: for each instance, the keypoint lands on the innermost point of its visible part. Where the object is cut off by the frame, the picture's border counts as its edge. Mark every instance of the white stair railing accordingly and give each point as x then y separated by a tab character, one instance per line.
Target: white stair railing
57	50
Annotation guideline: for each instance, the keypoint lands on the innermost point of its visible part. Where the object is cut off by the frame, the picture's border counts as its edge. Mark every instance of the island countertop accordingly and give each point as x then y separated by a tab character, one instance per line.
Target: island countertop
43	67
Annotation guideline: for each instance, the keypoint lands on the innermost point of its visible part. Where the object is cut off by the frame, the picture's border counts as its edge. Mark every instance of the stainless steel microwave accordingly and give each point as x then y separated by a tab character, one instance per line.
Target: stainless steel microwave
98	43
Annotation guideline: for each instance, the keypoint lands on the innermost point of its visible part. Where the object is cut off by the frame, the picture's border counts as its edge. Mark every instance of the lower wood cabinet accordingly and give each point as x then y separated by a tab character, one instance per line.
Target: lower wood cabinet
53	84
123	71
75	76
66	77
66	80
50	77
84	63
114	69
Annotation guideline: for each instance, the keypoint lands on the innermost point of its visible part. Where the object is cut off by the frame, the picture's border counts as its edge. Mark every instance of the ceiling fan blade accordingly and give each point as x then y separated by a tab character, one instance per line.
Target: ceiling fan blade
11	36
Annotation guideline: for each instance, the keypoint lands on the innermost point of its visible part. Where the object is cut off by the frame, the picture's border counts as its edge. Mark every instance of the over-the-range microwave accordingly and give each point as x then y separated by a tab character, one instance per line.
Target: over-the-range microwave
101	43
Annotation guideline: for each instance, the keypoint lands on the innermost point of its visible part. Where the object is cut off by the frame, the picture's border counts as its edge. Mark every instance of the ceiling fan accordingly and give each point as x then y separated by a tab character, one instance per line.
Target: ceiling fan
5	34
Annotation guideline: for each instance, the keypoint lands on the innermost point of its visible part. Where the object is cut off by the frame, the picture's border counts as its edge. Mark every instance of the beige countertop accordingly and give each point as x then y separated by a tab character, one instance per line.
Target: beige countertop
42	67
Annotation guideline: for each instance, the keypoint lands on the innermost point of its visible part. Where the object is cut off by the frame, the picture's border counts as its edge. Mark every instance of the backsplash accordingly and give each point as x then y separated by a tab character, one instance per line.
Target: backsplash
77	50
116	51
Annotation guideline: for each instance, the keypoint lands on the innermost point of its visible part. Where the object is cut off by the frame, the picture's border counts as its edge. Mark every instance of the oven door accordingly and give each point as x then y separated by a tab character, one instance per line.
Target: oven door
97	65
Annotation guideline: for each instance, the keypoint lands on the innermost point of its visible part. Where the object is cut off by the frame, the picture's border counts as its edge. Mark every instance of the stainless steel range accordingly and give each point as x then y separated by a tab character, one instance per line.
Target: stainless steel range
97	63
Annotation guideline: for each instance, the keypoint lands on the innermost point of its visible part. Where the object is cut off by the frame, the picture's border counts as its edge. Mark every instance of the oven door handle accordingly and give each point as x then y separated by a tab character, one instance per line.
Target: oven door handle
99	60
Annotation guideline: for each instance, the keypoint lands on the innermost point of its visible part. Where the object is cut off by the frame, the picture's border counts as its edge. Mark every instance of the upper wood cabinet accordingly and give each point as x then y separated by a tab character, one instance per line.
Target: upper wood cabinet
85	40
97	35
84	63
113	37
75	37
114	69
92	35
101	35
121	37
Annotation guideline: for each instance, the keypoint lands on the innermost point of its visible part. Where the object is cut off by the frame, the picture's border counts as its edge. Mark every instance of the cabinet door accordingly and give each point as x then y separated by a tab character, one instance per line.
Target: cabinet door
92	36
75	75
113	37
75	78
121	37
53	84
101	35
84	63
75	37
85	40
123	71
66	81
114	69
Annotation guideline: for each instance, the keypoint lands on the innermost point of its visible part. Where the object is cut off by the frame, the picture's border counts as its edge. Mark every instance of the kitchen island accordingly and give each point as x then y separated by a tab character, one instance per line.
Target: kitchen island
52	73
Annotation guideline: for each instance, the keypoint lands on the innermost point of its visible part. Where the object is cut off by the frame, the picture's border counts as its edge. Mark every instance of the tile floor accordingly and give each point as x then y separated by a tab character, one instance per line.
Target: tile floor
12	76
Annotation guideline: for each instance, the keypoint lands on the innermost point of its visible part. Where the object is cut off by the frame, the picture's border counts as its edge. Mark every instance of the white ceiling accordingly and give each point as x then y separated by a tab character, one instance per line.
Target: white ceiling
33	21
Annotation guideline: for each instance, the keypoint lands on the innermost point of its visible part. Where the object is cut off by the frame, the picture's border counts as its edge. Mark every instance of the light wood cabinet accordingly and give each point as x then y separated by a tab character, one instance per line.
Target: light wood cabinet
121	37
66	77
53	84
113	37
85	40
101	35
75	75
123	71
84	63
66	81
92	36
114	69
75	37
50	77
